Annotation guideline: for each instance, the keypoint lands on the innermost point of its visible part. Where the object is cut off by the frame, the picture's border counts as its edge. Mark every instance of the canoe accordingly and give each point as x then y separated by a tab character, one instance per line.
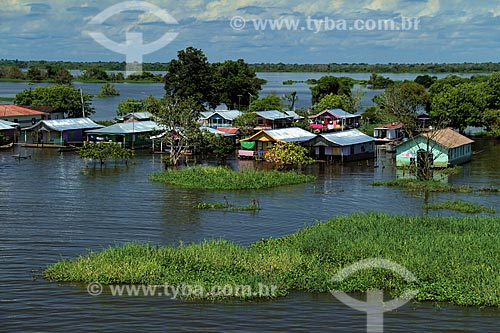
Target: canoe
7	146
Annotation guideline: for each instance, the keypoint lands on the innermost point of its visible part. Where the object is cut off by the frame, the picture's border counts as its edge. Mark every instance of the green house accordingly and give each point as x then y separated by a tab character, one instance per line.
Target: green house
447	147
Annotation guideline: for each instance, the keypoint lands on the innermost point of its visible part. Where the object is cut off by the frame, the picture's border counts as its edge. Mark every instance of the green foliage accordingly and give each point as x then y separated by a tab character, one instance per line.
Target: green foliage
414	185
426	80
63	96
145	77
238	83
455	259
461	207
246	122
219	145
376	115
402	100
226	206
131	105
460	106
491	119
285	154
95	73
379	82
269	102
104	151
179	117
330	85
332	101
108	90
446	83
291	99
11	72
223	178
192	76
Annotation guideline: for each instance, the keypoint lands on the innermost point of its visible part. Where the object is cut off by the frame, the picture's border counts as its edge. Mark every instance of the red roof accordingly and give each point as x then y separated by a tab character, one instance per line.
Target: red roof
43	108
9	110
229	130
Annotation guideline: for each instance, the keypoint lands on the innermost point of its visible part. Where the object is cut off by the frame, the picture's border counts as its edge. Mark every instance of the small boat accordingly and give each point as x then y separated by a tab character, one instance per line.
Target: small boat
7	146
68	148
19	157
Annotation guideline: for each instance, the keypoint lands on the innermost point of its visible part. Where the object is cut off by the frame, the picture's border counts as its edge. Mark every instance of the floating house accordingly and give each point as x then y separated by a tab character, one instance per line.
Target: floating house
258	144
9	129
52	112
389	133
447	148
273	119
334	120
219	118
24	116
134	134
137	116
59	131
343	145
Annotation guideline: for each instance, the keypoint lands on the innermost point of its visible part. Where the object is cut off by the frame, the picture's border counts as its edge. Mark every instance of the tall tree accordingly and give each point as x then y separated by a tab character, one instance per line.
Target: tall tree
332	101
67	98
269	102
403	100
238	82
179	118
330	85
192	76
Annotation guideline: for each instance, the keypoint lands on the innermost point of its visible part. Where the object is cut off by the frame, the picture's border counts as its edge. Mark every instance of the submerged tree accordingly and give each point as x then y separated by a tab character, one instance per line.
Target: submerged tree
105	151
179	118
287	154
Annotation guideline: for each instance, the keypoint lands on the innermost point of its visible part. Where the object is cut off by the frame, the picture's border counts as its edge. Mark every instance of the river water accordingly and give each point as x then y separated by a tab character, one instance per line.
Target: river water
55	206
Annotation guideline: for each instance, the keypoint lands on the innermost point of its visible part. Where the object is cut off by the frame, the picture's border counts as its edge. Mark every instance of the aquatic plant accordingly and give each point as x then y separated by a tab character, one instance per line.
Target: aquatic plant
460	206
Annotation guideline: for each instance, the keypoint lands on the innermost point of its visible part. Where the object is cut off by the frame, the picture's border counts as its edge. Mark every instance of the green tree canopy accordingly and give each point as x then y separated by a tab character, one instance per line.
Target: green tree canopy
105	151
246	122
379	82
285	154
332	101
238	82
330	85
426	80
442	84
69	99
269	102
192	76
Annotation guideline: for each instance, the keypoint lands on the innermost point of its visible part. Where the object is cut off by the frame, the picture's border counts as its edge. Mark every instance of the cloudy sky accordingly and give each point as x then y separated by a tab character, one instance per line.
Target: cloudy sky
440	30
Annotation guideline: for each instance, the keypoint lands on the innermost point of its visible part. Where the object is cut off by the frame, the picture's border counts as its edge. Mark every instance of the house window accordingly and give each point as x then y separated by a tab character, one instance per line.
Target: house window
33	121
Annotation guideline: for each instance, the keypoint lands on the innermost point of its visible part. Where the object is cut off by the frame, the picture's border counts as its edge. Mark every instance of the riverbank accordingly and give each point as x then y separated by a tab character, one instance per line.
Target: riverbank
453	258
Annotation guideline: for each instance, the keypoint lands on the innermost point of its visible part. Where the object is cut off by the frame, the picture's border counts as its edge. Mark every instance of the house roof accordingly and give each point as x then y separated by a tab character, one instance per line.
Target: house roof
448	138
206	114
391	125
294	115
128	128
337	113
272	115
43	108
347	138
213	130
10	110
227	114
229	130
69	124
292	134
139	115
6	125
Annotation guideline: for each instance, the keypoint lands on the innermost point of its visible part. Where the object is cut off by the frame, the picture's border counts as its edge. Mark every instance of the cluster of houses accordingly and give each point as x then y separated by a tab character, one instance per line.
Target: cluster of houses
331	134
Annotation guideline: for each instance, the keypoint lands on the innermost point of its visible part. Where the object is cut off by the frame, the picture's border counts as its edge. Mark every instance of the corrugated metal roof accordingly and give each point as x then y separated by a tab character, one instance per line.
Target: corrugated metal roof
294	115
128	128
228	114
391	125
337	113
206	114
5	125
69	124
139	115
347	138
272	115
292	134
214	131
10	110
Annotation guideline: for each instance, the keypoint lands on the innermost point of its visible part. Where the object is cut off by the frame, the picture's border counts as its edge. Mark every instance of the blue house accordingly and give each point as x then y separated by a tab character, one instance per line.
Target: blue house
59	131
219	118
447	147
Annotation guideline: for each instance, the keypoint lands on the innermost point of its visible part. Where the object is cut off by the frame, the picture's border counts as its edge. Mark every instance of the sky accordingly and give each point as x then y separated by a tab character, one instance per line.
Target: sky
291	31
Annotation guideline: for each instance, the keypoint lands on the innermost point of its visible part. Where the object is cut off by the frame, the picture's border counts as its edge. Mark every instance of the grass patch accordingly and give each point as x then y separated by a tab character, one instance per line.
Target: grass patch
460	206
223	178
253	206
413	185
455	259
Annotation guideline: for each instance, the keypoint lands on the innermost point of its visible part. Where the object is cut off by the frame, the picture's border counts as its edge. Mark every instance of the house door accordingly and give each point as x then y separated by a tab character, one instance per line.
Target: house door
321	152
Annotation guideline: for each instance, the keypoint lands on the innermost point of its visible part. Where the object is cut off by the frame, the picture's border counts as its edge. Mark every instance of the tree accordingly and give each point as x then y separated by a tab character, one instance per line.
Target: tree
285	154
330	85
403	100
332	101
219	145
95	73
11	72
192	76
35	74
491	119
379	82
238	82
290	98
108	89
69	99
442	84
104	151
269	102
426	80
179	117
246	122
131	105
460	106
62	76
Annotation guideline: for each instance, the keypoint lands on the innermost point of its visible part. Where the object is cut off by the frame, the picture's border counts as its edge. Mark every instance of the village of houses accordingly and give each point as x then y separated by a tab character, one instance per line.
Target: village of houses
332	136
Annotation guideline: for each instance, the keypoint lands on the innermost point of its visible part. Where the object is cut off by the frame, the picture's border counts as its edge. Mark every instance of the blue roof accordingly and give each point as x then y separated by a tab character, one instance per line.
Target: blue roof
7	125
68	124
227	114
338	113
291	134
128	128
347	138
272	115
294	115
